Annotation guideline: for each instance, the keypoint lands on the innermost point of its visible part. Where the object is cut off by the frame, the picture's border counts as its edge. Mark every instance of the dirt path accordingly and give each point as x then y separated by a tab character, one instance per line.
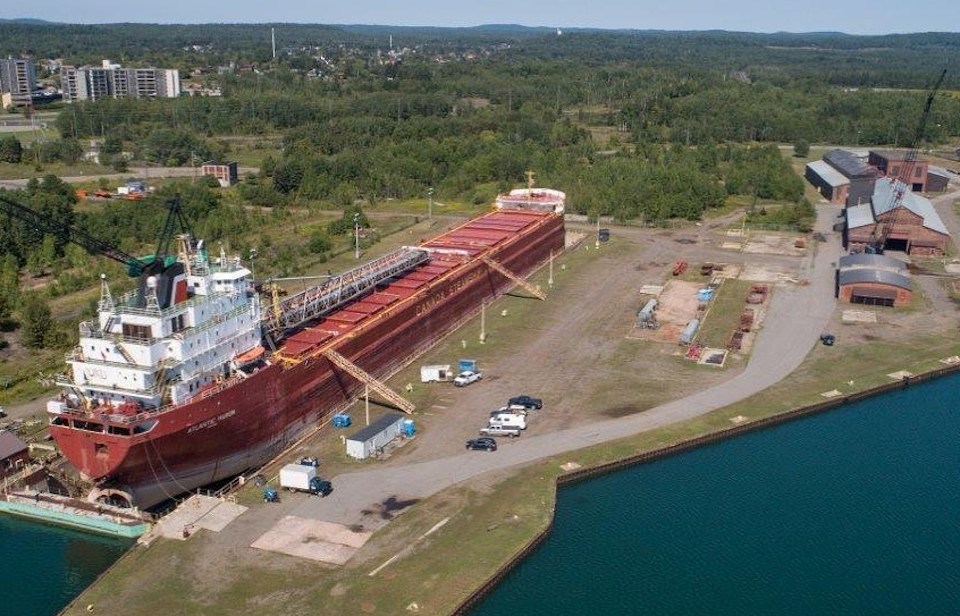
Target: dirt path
796	318
150	172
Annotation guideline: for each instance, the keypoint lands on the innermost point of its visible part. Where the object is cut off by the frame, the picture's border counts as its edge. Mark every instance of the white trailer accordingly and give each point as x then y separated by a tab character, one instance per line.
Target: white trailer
436	373
297	477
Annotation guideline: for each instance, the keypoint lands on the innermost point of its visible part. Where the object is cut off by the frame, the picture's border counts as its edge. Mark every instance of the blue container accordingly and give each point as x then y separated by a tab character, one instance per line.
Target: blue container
468	364
341	420
704	295
408	428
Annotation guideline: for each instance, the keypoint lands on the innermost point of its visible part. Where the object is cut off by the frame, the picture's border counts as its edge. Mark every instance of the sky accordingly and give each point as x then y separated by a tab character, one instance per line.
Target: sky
851	16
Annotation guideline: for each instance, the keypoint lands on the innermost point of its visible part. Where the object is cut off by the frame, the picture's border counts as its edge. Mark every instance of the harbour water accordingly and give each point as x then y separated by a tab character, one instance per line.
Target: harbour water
43	567
856	511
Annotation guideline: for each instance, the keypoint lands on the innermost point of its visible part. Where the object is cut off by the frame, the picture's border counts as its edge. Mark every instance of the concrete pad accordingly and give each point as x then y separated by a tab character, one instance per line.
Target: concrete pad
713	357
312	539
185	516
833	393
221	515
953	359
651	289
732	246
952	268
570	466
859	316
738	419
900	374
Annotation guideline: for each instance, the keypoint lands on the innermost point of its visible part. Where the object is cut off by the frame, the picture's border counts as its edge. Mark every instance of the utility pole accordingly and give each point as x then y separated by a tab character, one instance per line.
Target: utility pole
356	235
483	322
550	279
430	203
273	42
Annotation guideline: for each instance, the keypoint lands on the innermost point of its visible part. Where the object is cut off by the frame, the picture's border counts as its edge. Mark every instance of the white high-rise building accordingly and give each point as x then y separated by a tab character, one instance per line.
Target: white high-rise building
113	81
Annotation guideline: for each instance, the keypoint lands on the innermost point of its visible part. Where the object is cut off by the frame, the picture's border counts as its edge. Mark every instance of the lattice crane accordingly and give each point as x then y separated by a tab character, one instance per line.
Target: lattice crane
881	231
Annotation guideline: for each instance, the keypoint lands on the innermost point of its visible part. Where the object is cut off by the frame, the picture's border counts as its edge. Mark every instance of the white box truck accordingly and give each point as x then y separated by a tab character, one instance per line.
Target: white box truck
303	478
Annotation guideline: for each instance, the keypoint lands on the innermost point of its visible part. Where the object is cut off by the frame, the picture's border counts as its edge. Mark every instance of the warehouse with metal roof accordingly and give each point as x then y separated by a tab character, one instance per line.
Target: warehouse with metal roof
860	174
874	280
910	224
829	182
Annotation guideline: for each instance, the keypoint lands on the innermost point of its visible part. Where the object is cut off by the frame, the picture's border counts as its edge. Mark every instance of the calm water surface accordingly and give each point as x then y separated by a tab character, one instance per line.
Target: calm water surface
43	567
853	512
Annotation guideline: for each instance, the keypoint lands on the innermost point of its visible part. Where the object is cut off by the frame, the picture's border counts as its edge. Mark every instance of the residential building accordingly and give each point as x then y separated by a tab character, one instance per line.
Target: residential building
18	78
113	81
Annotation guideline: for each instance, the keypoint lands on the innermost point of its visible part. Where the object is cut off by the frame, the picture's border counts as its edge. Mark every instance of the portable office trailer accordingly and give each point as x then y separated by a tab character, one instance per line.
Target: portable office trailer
436	373
374	437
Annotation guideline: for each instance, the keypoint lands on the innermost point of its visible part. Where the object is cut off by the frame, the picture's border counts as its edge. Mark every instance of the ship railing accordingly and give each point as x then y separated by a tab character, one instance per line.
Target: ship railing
129	303
324	298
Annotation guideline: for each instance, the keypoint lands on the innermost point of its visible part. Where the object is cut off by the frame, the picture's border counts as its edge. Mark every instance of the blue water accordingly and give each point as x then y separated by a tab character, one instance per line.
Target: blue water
43	567
856	511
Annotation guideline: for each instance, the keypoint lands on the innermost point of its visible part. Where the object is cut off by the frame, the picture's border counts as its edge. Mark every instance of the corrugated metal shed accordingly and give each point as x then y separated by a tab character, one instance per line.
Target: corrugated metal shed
863	274
859	216
849	164
883	200
828	174
865	260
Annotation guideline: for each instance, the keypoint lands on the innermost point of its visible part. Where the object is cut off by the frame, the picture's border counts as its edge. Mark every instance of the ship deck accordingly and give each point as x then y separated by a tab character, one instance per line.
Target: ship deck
456	248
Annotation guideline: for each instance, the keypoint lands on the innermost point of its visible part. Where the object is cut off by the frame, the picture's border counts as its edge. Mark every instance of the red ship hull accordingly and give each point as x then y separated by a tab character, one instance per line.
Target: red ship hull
247	422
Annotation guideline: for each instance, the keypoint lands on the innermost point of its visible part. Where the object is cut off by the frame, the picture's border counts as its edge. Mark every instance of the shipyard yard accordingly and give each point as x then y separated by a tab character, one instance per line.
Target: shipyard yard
575	350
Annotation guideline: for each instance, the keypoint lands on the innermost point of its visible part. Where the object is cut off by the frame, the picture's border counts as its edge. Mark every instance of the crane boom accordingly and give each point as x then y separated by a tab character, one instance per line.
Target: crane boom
900	185
71	232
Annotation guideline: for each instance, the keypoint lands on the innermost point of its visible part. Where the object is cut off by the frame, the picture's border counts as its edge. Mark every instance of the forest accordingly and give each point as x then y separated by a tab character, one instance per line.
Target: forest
641	126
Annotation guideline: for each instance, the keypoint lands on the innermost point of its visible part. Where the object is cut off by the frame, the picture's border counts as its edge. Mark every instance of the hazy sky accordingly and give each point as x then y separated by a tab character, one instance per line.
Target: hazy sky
852	16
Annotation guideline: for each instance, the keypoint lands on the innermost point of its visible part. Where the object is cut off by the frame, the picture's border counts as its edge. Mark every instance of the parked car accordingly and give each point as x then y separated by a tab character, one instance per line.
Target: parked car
527	402
501	430
310	461
483	444
466	377
3	412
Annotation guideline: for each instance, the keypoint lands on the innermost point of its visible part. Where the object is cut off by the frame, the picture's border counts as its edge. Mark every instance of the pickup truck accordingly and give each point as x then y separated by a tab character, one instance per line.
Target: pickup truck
511	431
466	377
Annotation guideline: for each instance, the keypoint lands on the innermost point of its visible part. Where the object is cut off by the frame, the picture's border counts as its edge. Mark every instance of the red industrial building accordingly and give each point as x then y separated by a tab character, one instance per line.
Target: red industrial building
893	164
226	173
874	280
909	223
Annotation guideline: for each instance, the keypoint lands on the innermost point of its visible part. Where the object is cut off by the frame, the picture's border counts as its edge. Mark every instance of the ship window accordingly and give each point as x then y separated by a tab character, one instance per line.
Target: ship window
119	430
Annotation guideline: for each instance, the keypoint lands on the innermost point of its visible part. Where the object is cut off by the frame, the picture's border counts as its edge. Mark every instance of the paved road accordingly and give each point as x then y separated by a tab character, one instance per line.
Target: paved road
794	322
150	172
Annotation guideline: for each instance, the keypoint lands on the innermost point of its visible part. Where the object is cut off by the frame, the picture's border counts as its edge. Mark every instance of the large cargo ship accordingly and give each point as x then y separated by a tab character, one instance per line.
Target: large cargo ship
188	381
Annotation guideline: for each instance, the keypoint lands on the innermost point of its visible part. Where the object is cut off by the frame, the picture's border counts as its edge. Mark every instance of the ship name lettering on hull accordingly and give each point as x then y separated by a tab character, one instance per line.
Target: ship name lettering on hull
209	423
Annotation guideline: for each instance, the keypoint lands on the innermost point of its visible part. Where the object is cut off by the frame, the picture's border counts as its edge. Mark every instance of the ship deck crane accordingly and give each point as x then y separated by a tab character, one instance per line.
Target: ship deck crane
136	266
882	230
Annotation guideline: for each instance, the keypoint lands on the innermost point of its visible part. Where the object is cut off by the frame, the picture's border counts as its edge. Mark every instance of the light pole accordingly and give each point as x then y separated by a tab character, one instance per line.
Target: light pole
356	235
430	203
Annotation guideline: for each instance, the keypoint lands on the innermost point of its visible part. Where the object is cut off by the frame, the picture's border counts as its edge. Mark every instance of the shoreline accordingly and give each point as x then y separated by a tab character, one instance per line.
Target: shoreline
686	445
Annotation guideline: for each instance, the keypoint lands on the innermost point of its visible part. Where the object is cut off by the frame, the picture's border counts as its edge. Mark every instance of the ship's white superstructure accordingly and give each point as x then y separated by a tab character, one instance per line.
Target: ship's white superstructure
145	352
